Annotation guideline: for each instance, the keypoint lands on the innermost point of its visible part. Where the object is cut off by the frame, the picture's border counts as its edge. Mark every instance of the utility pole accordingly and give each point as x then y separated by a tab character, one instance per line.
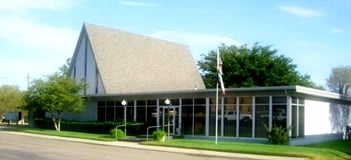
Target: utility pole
27	81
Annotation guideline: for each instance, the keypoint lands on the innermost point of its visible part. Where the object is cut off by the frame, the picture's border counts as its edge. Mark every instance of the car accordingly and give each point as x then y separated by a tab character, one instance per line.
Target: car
276	116
232	115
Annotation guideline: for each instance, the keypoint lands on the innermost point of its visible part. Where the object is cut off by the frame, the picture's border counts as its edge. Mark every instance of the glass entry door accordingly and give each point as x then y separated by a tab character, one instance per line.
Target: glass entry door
169	119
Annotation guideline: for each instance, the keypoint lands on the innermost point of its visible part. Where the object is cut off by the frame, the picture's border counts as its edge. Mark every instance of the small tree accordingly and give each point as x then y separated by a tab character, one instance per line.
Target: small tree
56	95
10	99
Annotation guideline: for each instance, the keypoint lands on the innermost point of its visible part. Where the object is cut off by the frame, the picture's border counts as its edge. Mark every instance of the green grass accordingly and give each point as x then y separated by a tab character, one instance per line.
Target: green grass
314	153
335	150
91	136
340	145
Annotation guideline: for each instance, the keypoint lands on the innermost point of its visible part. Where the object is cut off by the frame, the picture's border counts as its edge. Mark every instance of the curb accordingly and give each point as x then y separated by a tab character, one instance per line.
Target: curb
135	145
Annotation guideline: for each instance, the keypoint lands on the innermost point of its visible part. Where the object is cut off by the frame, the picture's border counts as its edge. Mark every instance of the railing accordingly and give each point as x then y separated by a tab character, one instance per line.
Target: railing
147	131
118	127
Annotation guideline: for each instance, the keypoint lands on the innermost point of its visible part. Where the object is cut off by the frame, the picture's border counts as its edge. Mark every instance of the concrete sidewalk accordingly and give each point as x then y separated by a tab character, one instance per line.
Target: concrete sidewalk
158	148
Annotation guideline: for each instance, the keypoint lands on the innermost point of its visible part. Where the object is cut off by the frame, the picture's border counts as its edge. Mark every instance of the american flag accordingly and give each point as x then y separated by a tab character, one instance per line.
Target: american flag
219	75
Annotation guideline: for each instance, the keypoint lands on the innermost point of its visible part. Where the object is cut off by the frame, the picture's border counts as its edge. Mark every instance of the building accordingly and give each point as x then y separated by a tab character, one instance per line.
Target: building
146	71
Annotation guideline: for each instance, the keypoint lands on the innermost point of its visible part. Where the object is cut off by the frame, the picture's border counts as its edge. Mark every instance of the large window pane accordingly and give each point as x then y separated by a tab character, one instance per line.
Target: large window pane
212	117
101	111
294	118
301	121
261	120
279	111
245	117
141	111
110	111
187	120
199	119
151	112
230	122
130	111
187	116
279	115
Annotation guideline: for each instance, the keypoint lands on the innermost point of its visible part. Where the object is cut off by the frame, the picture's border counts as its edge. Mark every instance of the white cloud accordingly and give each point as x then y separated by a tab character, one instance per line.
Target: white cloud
199	43
138	4
300	11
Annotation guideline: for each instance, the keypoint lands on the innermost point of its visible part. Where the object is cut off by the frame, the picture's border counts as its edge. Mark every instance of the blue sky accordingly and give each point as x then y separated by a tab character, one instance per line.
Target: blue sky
37	36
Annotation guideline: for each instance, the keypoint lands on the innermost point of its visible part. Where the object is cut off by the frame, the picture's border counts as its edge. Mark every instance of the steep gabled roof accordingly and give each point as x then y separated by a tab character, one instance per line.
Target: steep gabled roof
131	63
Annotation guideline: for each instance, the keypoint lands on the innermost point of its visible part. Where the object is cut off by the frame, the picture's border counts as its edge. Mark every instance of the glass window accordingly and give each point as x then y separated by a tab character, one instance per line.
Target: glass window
245	117
245	100
261	120
141	111
110	111
151	111
187	120
230	120
301	121
294	118
262	100
199	119
212	117
279	100
279	115
101	111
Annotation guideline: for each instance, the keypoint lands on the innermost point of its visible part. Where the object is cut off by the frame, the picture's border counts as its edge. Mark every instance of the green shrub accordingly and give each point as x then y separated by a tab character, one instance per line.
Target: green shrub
278	135
159	135
118	132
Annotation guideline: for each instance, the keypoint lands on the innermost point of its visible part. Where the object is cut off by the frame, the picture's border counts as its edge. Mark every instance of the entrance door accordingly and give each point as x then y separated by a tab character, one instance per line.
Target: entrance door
169	116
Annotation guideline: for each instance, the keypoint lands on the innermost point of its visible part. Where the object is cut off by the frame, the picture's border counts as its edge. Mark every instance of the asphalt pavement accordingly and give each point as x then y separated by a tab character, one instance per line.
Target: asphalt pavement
136	145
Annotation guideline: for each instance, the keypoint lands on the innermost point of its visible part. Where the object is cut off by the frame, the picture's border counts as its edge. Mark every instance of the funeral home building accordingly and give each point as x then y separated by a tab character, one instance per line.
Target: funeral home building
146	71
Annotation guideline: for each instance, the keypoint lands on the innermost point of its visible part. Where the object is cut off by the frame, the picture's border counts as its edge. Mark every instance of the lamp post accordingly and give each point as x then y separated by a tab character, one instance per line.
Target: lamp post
168	102
124	103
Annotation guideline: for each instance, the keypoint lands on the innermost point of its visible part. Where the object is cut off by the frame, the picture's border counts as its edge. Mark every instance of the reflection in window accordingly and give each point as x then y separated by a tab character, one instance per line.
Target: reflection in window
193	116
261	116
229	116
297	117
245	117
279	115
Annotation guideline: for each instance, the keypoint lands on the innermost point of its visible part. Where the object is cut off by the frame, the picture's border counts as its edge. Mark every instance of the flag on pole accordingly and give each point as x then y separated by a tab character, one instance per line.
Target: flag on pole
219	74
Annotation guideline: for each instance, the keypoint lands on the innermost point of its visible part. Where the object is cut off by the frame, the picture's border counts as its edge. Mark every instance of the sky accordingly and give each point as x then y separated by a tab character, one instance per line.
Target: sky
37	36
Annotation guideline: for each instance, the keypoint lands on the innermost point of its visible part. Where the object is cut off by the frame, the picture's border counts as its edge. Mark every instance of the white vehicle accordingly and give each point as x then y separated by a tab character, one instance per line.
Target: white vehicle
275	116
232	115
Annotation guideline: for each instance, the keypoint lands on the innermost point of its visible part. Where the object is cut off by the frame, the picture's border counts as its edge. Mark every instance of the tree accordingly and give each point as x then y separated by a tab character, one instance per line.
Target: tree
339	81
56	95
10	99
250	67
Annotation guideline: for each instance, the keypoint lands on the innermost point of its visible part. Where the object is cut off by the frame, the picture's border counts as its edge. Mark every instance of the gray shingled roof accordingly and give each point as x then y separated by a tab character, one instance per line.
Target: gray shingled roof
131	63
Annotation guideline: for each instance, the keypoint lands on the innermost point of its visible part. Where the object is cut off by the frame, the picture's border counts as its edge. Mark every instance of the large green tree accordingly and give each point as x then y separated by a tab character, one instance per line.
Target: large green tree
250	67
10	99
55	95
339	81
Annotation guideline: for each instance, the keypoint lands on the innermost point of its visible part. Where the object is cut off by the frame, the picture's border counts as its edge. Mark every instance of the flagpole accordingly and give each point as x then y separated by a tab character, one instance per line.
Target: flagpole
216	134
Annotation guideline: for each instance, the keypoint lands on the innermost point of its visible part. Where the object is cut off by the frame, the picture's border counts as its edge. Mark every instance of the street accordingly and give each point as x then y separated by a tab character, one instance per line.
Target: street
19	147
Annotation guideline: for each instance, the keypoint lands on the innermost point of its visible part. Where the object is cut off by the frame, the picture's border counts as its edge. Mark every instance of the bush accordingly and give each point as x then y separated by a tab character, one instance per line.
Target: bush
159	135
278	135
118	132
133	128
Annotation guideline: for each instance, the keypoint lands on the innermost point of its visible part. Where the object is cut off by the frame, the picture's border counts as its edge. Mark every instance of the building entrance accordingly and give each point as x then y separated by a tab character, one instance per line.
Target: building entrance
168	119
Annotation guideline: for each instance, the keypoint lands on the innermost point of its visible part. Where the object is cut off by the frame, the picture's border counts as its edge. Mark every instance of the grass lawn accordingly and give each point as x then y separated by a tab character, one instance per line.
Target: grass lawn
335	150
311	152
91	136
